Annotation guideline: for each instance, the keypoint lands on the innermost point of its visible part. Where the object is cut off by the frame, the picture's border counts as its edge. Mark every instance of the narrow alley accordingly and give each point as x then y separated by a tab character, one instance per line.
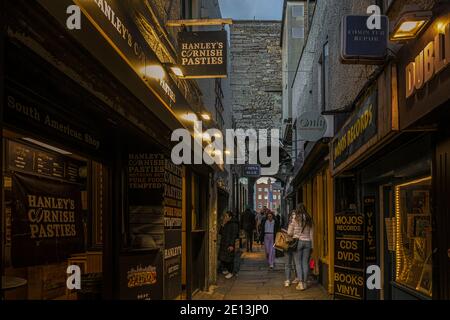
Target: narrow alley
255	281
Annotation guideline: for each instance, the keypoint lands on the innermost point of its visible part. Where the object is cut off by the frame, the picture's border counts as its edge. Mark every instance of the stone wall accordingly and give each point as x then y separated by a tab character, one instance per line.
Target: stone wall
256	74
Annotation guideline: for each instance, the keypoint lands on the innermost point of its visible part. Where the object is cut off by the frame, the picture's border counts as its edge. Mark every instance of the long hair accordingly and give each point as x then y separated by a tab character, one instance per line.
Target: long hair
303	217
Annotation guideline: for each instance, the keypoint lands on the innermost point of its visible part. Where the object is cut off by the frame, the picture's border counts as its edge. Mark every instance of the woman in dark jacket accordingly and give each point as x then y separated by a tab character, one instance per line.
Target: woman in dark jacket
229	232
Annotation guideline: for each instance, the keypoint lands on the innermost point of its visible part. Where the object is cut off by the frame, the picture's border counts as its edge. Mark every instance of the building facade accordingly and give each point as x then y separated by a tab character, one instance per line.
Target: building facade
376	191
90	115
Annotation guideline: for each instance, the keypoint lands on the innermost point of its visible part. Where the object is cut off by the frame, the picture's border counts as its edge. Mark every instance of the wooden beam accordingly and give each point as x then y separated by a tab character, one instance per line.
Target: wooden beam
198	22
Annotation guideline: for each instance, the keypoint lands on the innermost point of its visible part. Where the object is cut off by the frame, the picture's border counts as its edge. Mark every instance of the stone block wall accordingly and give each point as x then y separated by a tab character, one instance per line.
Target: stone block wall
256	70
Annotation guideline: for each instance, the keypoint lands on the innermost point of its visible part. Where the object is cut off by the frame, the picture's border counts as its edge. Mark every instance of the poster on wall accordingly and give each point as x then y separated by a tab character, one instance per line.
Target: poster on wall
146	184
47	223
203	54
141	276
172	264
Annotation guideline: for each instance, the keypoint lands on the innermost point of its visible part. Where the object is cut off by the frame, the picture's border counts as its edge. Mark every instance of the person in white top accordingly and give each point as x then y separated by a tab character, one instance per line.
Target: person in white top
301	230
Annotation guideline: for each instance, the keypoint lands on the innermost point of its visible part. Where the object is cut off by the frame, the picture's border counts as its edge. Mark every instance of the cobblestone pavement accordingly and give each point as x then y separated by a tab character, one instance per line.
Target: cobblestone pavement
256	282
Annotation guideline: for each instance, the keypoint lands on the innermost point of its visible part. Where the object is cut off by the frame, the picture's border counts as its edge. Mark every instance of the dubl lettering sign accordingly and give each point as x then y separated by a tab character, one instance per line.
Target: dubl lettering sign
424	71
203	54
361	45
361	128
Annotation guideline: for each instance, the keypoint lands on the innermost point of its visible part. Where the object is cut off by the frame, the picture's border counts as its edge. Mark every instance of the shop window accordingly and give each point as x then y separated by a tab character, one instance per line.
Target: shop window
413	247
345	195
54	206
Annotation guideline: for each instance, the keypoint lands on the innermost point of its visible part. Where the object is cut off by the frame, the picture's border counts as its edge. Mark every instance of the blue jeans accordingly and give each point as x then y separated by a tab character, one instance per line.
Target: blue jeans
304	252
292	262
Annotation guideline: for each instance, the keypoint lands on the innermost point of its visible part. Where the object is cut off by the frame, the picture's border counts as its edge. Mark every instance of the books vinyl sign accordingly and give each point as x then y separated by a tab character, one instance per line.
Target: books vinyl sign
203	54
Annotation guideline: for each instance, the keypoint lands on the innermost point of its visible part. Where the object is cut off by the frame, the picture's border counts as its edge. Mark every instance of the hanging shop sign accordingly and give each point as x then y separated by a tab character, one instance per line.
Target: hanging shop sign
115	21
312	126
424	71
348	284
203	54
47	223
361	45
252	171
361	127
141	276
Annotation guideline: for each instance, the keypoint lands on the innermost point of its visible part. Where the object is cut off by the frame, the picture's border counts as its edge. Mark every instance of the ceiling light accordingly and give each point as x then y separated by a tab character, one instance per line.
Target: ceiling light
47	146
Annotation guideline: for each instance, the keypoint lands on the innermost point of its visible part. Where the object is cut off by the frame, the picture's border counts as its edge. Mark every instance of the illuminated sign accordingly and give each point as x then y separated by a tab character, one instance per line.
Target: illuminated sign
429	62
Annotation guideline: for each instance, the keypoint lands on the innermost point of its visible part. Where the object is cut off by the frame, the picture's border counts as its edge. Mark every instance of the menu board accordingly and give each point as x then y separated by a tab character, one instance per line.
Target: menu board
27	159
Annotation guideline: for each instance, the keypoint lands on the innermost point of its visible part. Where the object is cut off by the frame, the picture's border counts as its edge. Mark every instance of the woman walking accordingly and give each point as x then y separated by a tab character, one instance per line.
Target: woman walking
269	227
228	232
292	254
301	228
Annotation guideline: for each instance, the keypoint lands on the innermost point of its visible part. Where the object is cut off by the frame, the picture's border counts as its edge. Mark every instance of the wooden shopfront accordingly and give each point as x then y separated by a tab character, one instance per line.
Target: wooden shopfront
424	101
79	115
372	124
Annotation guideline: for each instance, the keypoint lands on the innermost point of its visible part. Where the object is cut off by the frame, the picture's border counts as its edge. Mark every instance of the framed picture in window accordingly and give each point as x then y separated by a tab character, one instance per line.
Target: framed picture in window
425	282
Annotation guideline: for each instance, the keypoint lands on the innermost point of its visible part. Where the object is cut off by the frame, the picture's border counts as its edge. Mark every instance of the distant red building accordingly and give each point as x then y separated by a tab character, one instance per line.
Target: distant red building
267	195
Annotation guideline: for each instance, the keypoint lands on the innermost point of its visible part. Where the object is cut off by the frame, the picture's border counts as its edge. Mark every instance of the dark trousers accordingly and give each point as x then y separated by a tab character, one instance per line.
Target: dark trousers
229	266
249	237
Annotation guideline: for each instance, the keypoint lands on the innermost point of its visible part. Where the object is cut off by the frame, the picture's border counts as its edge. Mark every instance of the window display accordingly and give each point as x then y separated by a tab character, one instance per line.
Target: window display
413	235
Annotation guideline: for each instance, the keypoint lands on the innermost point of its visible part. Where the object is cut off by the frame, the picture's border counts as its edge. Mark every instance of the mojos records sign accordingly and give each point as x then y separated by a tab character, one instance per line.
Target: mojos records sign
203	54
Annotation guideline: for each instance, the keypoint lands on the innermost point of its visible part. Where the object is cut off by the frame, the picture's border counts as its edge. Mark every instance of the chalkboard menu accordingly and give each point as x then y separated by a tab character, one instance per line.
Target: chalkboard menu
24	158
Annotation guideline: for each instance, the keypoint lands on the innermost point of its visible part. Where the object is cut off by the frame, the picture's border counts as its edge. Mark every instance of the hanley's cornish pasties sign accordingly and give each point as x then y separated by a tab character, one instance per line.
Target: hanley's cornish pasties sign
203	54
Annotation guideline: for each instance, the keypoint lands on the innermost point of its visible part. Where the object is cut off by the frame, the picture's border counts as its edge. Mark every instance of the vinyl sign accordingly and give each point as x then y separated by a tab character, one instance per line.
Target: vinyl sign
203	54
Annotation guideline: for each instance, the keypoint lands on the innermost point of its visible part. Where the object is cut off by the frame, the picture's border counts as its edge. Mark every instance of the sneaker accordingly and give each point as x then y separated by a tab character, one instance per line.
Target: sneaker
296	280
300	286
225	272
229	276
287	283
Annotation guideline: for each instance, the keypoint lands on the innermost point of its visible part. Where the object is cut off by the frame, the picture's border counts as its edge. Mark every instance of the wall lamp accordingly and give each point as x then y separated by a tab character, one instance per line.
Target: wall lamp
175	69
191	116
410	25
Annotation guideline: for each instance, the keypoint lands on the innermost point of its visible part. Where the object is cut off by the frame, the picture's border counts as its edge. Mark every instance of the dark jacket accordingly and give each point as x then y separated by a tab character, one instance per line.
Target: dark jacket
248	220
277	228
229	233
